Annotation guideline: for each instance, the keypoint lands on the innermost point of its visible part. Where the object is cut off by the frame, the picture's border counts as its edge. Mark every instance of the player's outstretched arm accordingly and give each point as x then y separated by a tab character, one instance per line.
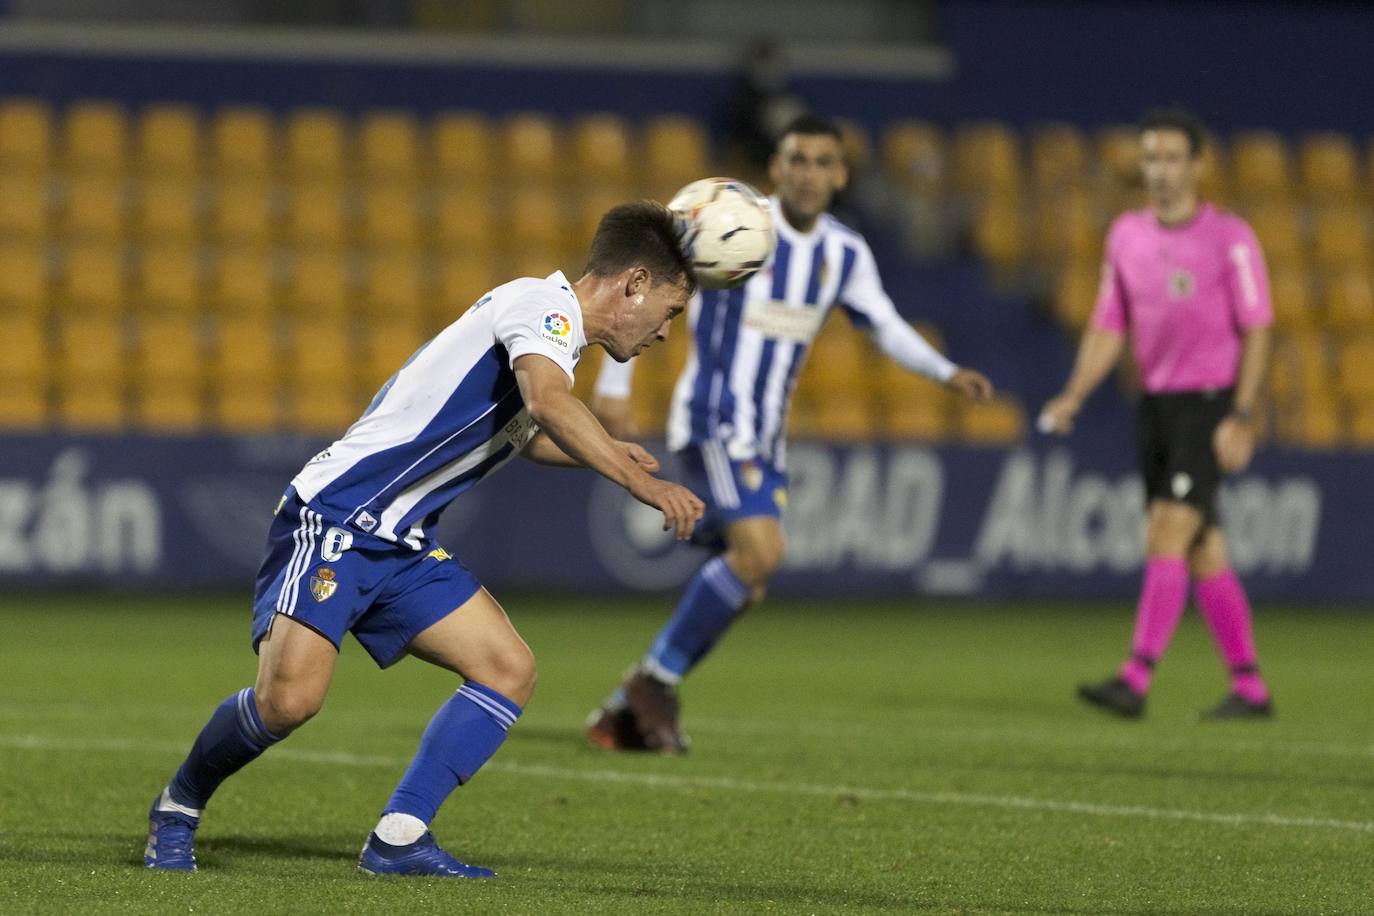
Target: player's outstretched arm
1097	354
542	450
572	428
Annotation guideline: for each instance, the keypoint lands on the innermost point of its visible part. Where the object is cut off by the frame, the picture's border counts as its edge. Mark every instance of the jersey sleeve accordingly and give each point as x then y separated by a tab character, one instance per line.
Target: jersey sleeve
869	307
613	381
544	325
1109	313
1248	279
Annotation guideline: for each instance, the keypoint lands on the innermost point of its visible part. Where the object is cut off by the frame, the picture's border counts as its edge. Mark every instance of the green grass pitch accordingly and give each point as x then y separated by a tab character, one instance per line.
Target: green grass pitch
907	757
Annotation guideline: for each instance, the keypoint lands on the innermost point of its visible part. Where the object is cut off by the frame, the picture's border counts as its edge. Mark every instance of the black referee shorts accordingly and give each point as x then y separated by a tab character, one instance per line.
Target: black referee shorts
1176	455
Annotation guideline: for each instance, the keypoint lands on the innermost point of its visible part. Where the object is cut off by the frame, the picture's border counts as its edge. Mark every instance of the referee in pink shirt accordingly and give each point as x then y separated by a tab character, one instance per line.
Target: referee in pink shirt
1186	282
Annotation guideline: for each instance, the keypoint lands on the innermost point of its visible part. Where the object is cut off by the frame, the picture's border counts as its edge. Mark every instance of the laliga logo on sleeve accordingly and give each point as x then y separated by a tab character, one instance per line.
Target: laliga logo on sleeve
557	330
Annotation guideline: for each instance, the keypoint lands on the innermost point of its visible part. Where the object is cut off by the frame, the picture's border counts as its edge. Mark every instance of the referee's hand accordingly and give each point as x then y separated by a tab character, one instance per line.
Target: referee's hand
1234	444
1056	417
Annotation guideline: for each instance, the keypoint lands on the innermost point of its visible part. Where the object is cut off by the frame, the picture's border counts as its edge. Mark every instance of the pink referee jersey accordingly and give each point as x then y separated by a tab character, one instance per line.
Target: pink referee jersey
1185	294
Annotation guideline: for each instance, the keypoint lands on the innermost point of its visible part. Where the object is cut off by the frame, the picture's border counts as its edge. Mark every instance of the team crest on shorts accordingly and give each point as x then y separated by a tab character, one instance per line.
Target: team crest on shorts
556	328
366	521
1181	484
322	584
751	475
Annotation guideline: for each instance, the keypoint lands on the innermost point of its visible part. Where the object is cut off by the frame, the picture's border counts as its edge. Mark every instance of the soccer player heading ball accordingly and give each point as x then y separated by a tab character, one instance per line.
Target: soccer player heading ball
349	548
729	416
1187	282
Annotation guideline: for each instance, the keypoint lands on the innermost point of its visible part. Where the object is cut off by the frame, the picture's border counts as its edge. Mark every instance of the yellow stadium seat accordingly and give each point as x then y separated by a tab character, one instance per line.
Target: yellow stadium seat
244	353
1301	367
998	422
386	346
390	217
601	150
95	207
590	208
23	278
168	140
315	145
94	277
855	144
1292	294
1350	301
320	284
1313	422
91	408
1341	237
1362	424
389	146
90	351
315	215
1259	164
463	279
462	147
986	157
246	282
1058	156
94	137
1068	225
536	261
1276	225
25	135
169	209
913	156
465	220
1076	293
676	152
24	357
23	406
1329	167
1355	368
242	143
845	420
1214	183
179	410
24	205
319	353
394	290
1118	155
998	232
534	220
248	406
242	212
912	407
323	409
530	148
168	353
170	282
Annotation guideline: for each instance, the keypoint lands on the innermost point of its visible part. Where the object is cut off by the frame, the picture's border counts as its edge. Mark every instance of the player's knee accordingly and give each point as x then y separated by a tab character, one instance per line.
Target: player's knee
511	672
285	709
755	561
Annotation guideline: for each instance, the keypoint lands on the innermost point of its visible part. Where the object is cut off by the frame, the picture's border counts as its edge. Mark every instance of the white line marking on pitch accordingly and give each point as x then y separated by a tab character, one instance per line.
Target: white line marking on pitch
727	784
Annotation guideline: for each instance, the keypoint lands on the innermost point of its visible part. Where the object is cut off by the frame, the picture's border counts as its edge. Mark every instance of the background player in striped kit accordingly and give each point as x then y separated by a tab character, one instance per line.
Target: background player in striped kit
348	550
1188	283
729	416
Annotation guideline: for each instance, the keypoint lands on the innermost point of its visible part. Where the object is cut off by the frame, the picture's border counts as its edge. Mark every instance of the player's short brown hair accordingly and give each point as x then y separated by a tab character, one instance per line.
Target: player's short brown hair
643	233
1179	120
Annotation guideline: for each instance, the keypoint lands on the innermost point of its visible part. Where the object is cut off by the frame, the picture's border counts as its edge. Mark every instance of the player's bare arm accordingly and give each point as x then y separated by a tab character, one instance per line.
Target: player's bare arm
542	450
614	414
970	383
570	425
1098	354
1234	440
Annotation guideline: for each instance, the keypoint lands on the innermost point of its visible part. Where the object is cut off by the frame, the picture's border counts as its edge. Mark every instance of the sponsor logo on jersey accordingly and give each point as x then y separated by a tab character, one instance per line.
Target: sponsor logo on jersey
323	584
557	330
366	521
440	554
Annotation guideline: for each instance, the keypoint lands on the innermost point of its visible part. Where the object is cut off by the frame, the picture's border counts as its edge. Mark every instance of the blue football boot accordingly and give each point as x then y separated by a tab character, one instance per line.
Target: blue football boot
171	839
421	858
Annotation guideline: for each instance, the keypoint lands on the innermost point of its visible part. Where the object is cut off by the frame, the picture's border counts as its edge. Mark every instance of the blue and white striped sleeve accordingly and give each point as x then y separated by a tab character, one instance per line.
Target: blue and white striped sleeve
868	306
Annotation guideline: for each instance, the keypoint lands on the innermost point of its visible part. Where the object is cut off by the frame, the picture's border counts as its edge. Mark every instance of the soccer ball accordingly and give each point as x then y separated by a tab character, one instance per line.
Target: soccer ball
727	230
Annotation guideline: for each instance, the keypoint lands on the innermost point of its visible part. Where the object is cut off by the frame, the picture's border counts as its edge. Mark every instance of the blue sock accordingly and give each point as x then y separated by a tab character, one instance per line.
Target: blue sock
233	738
713	599
462	736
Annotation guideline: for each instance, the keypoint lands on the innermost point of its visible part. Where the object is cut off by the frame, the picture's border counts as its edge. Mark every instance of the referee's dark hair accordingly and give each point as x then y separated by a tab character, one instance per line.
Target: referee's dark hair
1179	120
642	233
810	125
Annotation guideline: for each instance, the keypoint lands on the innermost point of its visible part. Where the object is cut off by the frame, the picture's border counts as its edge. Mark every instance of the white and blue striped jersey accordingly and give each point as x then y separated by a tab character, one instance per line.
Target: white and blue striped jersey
749	343
450	416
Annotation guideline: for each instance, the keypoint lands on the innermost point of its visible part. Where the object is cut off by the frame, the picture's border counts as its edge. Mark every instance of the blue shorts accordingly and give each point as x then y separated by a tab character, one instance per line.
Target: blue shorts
336	580
732	490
